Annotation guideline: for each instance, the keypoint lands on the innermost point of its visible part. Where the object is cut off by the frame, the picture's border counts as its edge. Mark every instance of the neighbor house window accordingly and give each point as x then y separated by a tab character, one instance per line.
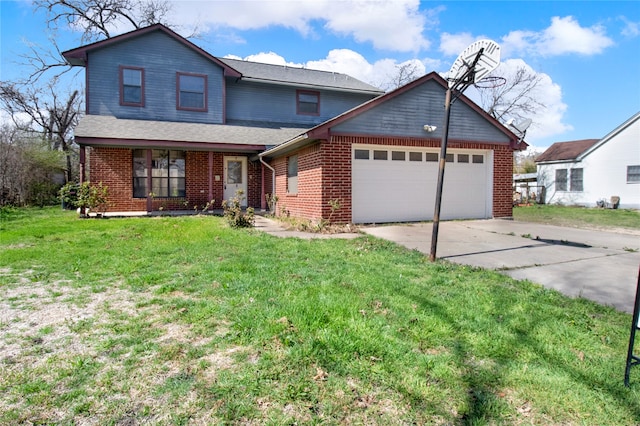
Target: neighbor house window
576	180
191	92
633	174
308	102
561	179
131	86
167	173
292	175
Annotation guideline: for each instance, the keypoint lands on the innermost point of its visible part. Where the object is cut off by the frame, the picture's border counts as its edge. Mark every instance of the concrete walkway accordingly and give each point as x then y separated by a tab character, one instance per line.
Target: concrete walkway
598	265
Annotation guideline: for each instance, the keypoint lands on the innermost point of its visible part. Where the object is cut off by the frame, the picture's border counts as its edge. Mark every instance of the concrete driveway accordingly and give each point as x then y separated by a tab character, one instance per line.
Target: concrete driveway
597	265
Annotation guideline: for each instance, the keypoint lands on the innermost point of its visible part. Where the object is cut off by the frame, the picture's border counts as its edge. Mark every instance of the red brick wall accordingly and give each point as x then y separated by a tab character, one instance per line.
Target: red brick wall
502	182
325	174
113	167
307	202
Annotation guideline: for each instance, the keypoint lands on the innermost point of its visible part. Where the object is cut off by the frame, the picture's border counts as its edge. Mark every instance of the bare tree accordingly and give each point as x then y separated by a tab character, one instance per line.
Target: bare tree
46	112
27	169
516	99
405	73
98	18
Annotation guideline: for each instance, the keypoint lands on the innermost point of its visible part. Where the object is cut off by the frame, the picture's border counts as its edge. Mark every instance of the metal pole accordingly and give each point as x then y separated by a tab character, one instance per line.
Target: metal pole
443	160
631	358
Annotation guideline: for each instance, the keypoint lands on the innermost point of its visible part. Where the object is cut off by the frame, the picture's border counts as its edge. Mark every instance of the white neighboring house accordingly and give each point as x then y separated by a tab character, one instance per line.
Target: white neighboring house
586	171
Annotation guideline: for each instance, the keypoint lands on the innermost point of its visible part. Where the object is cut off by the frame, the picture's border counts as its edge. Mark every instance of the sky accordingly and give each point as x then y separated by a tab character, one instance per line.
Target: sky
587	53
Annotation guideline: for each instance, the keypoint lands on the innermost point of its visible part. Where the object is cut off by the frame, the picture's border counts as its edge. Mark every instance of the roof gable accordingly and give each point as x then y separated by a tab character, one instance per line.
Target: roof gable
78	56
431	77
615	132
565	151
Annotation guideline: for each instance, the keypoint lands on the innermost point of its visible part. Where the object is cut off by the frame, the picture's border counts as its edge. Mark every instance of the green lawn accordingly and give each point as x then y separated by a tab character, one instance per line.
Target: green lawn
579	217
184	320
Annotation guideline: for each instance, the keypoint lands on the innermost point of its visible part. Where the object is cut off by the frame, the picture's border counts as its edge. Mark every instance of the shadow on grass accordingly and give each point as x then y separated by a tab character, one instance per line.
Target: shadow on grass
483	381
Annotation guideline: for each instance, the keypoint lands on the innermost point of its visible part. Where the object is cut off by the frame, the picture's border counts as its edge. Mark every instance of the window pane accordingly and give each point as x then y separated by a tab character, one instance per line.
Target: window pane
160	163
132	94
398	155
177	187
140	163
463	158
292	166
361	154
561	179
576	180
415	156
140	187
192	83
131	77
449	158
234	172
380	155
191	100
432	157
160	187
633	174
478	159
176	164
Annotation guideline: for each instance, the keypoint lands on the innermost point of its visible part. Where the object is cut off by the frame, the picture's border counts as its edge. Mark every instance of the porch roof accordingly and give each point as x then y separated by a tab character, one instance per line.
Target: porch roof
107	130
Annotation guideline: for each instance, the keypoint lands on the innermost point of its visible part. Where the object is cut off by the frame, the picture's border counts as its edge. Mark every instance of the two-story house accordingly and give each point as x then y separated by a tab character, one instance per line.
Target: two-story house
169	126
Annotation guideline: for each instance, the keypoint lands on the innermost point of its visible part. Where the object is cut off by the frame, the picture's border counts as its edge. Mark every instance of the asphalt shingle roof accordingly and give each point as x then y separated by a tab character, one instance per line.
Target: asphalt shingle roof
566	150
299	76
109	127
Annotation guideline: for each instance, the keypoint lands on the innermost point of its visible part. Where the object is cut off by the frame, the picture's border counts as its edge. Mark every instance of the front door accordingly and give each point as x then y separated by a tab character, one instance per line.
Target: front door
235	178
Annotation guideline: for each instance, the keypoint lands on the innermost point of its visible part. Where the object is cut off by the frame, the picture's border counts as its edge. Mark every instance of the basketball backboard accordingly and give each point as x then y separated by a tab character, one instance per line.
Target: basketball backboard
488	61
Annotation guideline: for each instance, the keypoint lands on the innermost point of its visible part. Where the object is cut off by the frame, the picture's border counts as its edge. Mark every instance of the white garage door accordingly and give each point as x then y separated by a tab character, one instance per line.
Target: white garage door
398	184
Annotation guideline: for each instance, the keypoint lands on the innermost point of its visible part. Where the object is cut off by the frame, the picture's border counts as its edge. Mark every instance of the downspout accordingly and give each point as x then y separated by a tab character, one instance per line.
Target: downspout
273	180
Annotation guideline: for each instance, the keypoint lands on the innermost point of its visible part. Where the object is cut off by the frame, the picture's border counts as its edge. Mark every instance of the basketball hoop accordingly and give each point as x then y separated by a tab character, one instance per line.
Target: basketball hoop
490	82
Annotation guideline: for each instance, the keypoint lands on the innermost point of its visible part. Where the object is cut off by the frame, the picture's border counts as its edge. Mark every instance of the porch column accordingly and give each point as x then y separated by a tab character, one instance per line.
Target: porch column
263	198
210	179
149	180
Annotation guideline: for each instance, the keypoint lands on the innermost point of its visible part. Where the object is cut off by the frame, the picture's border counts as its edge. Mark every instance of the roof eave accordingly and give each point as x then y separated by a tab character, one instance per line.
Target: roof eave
286	147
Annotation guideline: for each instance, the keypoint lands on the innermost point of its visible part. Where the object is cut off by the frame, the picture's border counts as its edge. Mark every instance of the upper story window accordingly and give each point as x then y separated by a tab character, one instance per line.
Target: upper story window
308	102
131	86
191	92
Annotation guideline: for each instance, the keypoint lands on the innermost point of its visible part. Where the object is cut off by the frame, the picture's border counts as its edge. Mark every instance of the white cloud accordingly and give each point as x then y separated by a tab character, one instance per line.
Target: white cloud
390	25
631	29
454	44
563	36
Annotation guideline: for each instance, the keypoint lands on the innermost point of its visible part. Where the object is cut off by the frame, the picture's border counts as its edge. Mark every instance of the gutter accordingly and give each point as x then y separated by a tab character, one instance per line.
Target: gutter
273	179
289	145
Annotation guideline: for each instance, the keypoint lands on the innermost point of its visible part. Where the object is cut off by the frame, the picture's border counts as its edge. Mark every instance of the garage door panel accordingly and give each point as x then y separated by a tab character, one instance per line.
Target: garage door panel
396	191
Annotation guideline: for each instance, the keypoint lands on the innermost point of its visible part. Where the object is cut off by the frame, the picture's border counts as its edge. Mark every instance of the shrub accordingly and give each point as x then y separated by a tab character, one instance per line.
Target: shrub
85	196
234	215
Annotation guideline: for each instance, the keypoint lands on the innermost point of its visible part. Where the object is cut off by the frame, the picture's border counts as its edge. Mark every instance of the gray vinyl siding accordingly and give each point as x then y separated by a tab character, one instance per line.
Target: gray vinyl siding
161	57
406	114
275	103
